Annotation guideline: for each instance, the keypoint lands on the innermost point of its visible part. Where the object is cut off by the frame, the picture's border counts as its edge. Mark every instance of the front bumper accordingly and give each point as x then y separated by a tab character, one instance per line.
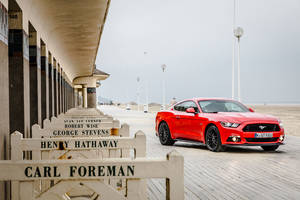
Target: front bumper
248	138
256	144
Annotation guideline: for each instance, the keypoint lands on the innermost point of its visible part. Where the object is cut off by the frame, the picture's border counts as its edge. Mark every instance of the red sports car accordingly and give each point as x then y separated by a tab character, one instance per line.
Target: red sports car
218	123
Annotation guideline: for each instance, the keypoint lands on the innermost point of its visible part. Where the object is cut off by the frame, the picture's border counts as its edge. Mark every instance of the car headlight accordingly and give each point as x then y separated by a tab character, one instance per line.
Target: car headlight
229	124
280	123
281	138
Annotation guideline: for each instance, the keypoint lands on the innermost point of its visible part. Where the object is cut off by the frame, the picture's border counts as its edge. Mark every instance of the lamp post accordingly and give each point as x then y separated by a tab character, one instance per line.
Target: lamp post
238	33
146	107
163	67
138	93
233	51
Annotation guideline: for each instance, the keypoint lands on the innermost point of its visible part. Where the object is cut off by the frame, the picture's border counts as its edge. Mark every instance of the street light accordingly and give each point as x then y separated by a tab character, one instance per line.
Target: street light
233	51
146	106
238	33
163	67
138	93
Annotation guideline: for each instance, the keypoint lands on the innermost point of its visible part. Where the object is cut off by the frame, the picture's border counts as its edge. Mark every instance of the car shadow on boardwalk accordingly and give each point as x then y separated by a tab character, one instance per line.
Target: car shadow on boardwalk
237	149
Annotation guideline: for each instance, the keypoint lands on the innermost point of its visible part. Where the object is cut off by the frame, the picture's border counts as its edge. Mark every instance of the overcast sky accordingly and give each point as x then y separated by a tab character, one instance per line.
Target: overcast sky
194	39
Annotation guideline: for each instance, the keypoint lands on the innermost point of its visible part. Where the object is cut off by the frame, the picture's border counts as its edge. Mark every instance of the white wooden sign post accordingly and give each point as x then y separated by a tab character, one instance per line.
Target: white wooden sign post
170	168
87	152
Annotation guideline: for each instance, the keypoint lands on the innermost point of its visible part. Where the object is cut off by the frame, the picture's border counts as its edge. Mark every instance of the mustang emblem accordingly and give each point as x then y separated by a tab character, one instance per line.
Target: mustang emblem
262	127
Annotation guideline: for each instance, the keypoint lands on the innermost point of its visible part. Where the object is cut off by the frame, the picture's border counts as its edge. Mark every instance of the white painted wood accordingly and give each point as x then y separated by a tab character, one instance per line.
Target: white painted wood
105	191
16	154
175	181
170	168
58	190
59	122
138	188
143	168
26	190
80	143
124	132
138	143
120	175
37	154
135	190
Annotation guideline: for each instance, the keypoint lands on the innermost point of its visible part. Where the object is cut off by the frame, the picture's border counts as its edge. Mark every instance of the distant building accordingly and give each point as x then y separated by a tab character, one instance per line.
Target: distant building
104	101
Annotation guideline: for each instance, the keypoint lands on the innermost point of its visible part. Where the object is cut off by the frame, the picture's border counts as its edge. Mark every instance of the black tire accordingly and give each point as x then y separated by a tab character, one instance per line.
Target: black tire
270	148
164	134
213	139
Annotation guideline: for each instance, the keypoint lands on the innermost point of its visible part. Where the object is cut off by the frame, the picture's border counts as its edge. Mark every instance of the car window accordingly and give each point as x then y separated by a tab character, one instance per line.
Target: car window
211	106
185	105
179	107
233	107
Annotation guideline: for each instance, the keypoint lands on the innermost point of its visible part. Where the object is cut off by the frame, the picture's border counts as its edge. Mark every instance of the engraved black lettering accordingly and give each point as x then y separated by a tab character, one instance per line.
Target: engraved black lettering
111	170
43	144
82	171
55	144
56	173
104	143
130	170
94	144
116	143
49	144
28	171
37	172
121	171
101	171
92	171
77	144
72	170
47	171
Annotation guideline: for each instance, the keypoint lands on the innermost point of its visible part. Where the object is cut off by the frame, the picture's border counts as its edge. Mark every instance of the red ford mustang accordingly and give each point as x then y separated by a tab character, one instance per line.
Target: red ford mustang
218	123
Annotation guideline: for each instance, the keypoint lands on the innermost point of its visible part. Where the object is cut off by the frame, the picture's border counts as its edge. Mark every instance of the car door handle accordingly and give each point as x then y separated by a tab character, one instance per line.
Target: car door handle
177	117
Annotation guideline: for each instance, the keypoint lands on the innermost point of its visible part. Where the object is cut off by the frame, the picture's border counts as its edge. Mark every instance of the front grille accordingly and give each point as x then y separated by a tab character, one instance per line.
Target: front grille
274	139
261	128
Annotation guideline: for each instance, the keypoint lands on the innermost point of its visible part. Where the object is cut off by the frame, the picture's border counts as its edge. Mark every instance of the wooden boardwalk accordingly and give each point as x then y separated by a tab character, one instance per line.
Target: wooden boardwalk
238	173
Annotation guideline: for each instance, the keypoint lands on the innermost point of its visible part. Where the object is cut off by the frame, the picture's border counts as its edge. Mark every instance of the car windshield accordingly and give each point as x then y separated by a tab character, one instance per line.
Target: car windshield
215	106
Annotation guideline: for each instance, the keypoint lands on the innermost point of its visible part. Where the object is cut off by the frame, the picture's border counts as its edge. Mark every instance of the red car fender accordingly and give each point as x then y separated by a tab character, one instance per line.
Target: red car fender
167	117
209	123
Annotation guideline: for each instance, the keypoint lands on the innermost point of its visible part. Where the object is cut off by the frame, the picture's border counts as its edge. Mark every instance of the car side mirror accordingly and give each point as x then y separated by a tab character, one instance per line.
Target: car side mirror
190	110
251	110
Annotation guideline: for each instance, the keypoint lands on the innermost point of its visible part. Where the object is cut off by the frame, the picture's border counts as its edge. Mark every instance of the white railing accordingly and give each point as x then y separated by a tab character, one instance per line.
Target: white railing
41	146
105	166
25	175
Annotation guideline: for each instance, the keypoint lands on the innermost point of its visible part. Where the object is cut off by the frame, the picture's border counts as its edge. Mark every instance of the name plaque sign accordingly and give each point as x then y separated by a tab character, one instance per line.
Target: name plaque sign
78	144
79	171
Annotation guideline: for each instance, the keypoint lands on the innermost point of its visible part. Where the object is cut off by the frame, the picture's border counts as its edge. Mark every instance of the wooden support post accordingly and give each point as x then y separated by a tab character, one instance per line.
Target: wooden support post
16	154
137	188
36	155
124	132
175	181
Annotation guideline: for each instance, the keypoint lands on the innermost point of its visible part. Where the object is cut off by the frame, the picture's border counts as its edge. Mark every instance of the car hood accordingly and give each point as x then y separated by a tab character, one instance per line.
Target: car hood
236	117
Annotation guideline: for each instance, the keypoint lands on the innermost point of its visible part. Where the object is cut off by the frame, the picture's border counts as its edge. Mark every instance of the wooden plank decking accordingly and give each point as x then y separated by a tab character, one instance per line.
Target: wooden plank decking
238	173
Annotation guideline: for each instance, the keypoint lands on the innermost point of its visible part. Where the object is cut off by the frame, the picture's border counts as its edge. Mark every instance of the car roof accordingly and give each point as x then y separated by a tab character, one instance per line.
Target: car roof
203	99
214	98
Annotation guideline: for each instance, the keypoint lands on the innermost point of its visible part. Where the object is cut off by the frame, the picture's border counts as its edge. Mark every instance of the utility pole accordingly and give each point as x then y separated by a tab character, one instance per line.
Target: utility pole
138	93
238	34
163	67
233	51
